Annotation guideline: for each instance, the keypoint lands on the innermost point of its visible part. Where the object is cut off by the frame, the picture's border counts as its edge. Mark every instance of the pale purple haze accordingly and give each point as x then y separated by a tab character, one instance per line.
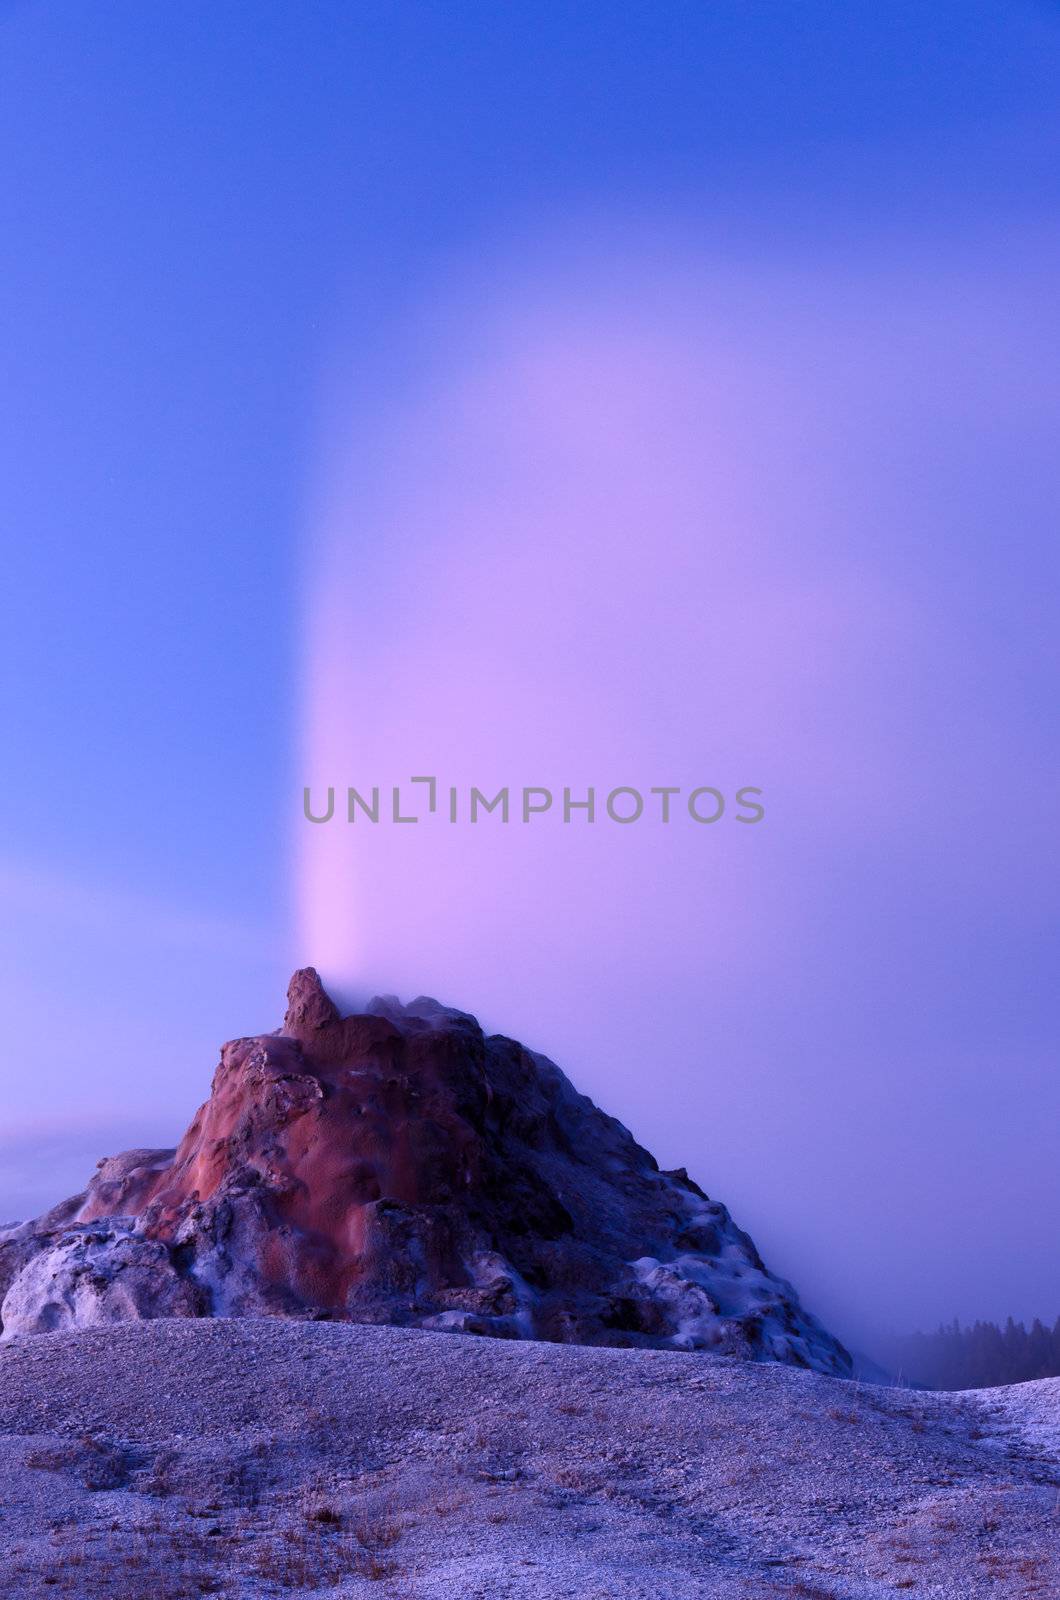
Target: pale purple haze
649	514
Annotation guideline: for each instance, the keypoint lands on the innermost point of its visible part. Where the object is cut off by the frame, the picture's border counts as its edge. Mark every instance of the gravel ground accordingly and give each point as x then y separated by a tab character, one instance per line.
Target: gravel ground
263	1458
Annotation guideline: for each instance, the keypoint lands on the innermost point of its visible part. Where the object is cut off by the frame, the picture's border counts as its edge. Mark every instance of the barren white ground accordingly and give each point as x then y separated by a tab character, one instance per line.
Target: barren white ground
267	1458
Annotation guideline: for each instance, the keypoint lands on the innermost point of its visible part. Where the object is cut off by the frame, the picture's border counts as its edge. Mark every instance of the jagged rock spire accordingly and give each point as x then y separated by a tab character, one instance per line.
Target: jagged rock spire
309	1006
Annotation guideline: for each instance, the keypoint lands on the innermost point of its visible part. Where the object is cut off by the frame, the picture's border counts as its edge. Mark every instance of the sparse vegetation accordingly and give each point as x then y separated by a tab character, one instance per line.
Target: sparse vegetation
418	1463
95	1462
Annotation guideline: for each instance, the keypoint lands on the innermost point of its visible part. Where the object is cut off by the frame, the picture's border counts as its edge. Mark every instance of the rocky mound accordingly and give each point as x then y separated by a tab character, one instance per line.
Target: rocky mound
397	1166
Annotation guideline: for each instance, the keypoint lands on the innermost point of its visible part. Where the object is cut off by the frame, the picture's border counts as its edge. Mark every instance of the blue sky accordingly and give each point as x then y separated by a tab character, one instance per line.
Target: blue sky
215	219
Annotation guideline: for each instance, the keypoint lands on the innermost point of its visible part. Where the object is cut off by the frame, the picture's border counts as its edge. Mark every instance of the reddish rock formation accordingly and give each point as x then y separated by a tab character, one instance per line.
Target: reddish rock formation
398	1166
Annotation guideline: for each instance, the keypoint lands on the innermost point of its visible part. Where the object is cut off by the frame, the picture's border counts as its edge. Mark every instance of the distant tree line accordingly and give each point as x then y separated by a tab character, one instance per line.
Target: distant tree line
977	1357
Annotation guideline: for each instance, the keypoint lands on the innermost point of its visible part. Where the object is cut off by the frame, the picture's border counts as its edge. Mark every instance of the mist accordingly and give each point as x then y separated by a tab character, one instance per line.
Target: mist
632	508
